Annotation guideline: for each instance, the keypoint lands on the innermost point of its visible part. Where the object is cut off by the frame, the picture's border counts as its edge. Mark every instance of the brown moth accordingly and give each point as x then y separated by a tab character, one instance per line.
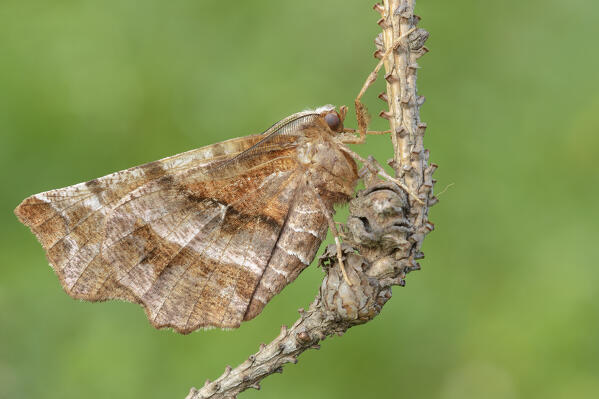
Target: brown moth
204	238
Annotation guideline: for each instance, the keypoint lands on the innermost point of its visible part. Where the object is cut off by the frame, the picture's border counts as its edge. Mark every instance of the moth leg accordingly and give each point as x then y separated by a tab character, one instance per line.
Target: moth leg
335	232
381	172
351	138
369	132
361	111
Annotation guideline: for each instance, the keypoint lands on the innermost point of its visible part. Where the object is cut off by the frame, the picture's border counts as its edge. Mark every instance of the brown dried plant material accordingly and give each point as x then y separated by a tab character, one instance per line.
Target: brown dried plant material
204	238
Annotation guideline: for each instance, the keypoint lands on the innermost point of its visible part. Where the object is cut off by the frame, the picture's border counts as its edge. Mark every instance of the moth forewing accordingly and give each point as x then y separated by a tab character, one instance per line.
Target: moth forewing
203	238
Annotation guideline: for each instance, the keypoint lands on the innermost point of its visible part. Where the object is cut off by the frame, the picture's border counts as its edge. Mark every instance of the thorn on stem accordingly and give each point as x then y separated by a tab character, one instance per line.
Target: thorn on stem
291	359
416	267
401	132
283	331
303	337
378	7
390	77
385	115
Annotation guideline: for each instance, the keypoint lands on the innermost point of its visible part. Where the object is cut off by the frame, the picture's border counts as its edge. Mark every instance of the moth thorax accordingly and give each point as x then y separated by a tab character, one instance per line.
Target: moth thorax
327	156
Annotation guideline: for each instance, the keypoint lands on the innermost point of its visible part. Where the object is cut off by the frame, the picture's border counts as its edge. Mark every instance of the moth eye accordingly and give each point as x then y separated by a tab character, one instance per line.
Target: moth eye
332	119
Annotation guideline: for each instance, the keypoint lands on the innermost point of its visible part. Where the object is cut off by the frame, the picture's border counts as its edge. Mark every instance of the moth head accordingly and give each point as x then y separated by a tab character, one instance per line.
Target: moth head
334	119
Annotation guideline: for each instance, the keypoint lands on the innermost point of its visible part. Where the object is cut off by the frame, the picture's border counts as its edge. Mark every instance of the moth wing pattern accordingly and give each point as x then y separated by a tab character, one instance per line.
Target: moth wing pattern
201	239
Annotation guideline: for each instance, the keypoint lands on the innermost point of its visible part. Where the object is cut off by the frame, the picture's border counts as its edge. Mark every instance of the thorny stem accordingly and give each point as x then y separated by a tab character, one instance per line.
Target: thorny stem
389	247
410	159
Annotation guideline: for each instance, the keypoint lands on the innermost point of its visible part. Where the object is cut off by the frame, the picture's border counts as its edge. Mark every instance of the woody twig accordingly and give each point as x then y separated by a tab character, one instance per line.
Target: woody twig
410	158
386	226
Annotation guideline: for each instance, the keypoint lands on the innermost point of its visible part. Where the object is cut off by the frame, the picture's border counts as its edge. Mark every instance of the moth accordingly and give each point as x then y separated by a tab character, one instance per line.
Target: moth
204	238
207	237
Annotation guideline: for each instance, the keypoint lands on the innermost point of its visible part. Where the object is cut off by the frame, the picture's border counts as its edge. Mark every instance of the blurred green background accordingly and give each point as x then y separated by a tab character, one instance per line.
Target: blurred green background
507	303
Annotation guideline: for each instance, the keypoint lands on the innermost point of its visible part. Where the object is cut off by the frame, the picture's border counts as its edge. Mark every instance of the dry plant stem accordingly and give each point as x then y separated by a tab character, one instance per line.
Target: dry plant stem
410	159
386	227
